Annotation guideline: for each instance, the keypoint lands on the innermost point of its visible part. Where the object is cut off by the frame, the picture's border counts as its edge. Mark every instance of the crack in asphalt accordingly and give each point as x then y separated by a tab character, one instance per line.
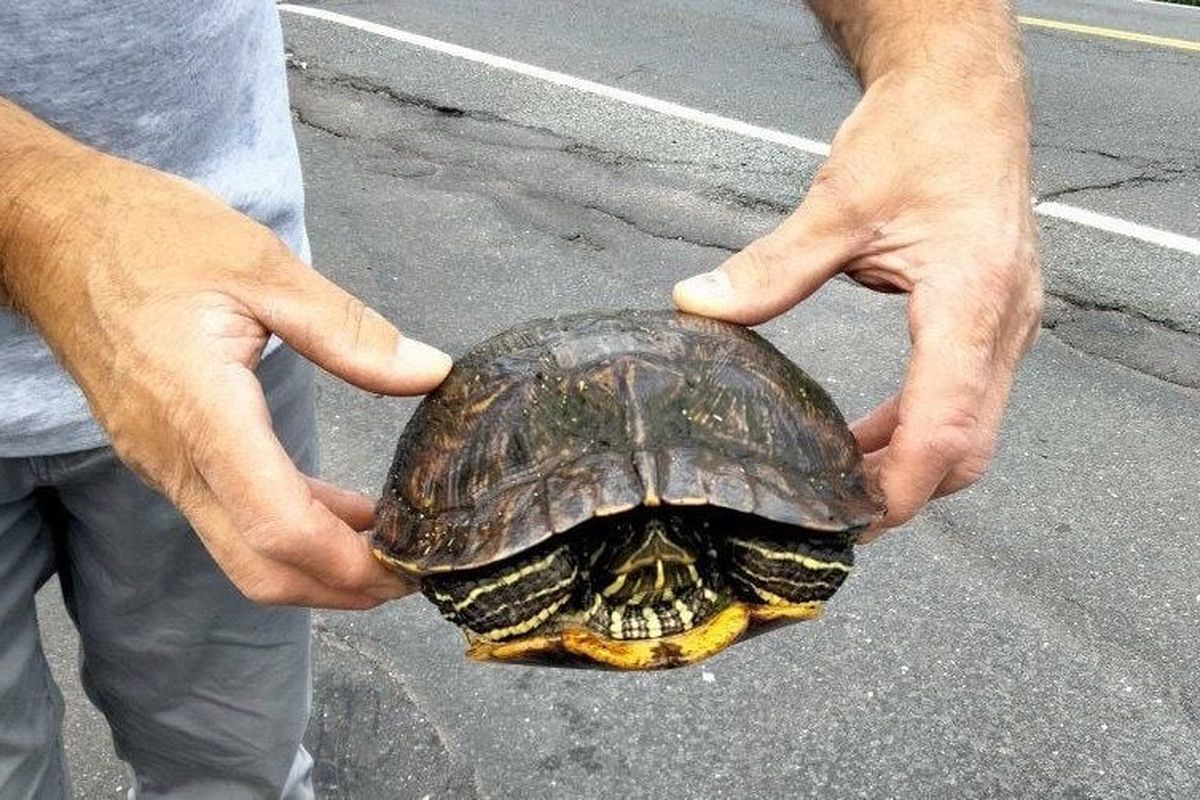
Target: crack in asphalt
299	116
319	74
1082	151
332	637
1085	325
1183	162
1084	304
1149	175
750	202
619	159
1083	310
574	236
641	228
1152	172
315	72
568	146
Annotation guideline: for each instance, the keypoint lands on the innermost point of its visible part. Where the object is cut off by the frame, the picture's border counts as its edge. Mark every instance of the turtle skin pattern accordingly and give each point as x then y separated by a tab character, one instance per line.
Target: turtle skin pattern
557	421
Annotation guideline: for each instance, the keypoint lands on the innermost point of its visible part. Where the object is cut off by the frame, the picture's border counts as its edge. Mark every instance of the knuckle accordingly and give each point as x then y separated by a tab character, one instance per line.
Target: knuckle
836	183
843	196
264	590
275	536
965	474
1016	284
1035	306
1008	313
995	312
343	580
1030	302
957	438
352	573
1019	280
274	256
1030	308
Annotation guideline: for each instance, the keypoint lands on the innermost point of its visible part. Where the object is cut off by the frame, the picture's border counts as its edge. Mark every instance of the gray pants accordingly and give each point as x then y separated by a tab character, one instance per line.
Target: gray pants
206	693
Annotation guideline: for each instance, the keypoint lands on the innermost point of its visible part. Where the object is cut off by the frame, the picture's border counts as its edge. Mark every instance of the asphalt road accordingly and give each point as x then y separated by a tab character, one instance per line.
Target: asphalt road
1116	123
1034	636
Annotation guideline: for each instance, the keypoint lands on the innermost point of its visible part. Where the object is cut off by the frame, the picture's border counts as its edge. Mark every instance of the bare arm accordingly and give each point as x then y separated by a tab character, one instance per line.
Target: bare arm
29	149
950	42
926	191
159	299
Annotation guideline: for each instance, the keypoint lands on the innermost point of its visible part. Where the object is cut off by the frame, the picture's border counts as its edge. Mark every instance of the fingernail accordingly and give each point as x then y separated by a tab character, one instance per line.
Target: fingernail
418	356
709	287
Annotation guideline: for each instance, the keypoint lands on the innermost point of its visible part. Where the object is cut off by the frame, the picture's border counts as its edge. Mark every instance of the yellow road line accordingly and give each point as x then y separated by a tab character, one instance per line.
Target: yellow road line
1111	33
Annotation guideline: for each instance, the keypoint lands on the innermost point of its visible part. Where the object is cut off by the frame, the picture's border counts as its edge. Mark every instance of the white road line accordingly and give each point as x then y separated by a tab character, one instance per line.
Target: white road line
1123	227
1167	3
1078	216
570	81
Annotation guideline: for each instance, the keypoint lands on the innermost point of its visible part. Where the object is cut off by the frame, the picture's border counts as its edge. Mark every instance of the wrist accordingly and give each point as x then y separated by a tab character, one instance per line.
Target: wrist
955	53
989	116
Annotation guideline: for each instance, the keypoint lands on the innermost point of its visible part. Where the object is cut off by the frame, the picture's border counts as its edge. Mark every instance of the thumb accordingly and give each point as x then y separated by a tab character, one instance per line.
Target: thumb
772	273
338	332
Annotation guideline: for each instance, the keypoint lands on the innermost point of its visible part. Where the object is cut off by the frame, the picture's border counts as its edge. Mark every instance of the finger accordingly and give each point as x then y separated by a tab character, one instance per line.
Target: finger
337	331
346	562
958	477
874	431
774	272
269	503
258	578
871	464
942	422
354	508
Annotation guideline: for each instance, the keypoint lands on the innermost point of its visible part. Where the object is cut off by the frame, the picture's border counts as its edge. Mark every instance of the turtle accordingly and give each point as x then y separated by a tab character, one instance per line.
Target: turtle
629	489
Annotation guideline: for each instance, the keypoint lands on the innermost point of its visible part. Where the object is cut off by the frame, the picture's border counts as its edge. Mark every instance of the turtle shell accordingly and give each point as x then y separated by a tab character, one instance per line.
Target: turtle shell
557	421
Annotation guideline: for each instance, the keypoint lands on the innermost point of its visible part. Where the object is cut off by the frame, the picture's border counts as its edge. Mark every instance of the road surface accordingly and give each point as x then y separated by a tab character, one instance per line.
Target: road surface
1034	636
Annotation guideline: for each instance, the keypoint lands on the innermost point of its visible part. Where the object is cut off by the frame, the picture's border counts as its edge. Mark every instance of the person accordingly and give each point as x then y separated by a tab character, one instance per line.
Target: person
156	438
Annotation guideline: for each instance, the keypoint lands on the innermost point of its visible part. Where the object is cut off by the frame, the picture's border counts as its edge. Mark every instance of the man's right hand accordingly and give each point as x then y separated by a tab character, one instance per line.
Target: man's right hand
159	299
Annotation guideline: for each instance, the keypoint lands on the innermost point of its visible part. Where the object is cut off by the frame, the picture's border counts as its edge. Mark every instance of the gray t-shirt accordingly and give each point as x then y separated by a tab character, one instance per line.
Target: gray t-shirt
197	89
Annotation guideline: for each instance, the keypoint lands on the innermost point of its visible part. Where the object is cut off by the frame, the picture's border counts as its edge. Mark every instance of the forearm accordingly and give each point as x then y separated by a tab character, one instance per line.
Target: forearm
955	41
951	69
38	165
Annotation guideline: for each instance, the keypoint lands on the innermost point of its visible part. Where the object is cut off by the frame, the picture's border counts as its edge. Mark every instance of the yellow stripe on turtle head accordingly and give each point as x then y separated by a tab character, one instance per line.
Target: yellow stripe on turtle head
806	561
506	579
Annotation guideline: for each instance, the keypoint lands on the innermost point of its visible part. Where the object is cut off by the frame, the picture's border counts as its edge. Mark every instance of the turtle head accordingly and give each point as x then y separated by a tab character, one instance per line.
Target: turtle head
644	589
650	574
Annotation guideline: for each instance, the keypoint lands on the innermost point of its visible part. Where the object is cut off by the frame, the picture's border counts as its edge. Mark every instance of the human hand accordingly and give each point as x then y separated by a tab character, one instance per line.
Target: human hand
159	299
926	191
